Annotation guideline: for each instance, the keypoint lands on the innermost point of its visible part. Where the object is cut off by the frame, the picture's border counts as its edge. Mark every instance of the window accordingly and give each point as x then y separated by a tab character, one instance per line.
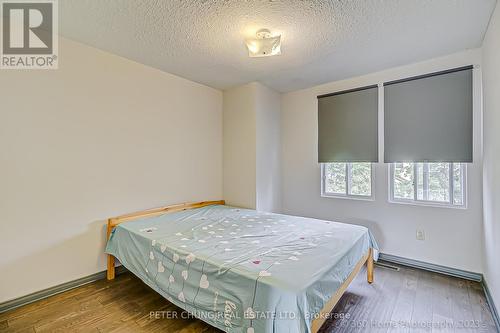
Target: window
346	180
432	183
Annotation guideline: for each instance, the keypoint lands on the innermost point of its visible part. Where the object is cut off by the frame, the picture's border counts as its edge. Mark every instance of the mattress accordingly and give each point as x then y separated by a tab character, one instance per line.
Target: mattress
242	270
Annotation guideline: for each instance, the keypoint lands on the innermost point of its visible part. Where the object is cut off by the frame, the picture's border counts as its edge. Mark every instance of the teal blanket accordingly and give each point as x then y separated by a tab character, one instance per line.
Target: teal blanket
242	270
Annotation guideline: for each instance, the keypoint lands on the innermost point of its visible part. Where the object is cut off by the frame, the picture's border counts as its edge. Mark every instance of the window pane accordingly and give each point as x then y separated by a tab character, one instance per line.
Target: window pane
403	181
458	197
361	183
335	178
420	182
439	182
432	181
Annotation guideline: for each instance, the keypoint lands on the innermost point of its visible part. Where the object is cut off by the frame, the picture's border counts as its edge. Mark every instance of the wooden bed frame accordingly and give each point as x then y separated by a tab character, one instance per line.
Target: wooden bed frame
316	323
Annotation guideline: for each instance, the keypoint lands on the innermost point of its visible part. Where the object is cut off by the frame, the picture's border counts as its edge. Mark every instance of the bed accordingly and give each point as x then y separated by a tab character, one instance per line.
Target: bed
242	270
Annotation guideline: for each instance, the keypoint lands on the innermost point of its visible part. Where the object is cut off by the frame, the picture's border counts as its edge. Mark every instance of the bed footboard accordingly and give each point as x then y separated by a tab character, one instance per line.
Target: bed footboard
323	315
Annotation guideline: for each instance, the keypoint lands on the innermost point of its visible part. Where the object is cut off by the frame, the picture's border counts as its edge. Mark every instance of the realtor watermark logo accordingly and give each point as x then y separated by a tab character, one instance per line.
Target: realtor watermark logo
29	34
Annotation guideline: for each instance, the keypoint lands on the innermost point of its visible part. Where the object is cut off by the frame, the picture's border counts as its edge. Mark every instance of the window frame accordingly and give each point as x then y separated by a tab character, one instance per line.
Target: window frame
325	194
419	202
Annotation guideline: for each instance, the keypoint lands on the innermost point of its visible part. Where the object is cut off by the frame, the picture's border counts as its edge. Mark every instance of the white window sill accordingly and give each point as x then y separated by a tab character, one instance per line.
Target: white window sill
348	197
426	204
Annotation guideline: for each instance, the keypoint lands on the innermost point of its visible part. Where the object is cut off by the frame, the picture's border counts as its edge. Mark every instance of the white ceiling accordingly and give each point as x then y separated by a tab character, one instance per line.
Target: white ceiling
322	41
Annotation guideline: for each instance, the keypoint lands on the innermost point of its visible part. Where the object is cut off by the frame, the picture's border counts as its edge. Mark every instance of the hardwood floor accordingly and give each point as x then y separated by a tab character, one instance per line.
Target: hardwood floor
408	300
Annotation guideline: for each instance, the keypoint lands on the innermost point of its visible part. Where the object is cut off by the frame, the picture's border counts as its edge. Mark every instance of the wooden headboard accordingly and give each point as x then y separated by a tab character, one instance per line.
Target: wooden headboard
114	221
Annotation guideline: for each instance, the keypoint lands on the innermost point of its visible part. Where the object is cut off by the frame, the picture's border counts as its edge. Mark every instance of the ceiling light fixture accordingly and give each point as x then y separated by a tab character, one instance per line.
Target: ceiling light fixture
264	45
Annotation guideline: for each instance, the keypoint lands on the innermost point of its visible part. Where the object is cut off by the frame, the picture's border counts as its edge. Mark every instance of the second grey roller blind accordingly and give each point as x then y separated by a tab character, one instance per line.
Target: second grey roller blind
348	126
429	118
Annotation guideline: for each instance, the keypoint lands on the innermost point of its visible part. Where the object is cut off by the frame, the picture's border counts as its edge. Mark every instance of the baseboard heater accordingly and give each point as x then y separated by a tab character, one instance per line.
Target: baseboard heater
384	264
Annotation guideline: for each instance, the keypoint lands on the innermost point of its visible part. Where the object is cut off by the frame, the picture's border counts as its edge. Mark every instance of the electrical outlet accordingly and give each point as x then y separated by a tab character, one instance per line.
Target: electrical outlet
420	235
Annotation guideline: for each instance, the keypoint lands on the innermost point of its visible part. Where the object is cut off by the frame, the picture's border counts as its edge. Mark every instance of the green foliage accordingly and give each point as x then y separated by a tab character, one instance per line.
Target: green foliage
357	174
403	181
335	178
439	182
361	183
431	179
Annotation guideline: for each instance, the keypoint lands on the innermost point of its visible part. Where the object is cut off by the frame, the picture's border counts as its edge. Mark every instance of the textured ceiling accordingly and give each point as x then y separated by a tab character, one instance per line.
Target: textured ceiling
322	41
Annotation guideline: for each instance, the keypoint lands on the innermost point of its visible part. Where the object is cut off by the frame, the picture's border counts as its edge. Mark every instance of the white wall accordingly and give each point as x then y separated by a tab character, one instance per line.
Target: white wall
453	236
98	137
239	146
252	147
491	190
268	178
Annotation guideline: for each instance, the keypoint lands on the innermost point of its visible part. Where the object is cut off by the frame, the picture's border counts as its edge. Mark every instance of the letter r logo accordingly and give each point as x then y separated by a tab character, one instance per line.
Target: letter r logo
27	27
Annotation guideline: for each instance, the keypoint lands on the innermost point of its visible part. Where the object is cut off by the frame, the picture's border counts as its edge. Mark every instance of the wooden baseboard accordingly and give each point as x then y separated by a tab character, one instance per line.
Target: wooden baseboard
39	295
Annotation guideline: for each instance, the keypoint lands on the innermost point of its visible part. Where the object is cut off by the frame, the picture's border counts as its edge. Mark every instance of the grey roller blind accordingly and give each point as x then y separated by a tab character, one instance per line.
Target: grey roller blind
429	118
348	126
